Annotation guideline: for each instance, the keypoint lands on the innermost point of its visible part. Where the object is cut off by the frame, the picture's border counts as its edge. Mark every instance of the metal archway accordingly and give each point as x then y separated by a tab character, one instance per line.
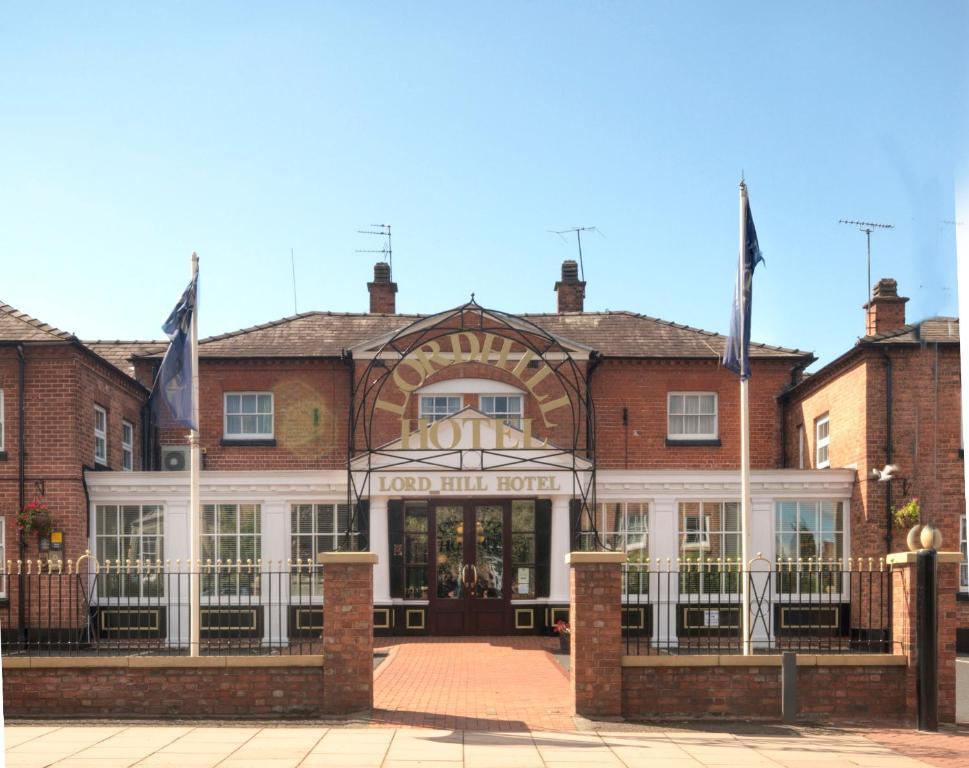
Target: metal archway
571	377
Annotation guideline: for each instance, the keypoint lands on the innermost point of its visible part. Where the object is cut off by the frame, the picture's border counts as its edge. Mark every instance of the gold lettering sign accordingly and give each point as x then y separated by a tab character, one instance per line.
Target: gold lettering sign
421	363
467	484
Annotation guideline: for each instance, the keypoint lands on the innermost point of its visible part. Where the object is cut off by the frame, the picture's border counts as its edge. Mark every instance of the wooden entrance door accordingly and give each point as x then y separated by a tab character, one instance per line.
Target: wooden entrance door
470	587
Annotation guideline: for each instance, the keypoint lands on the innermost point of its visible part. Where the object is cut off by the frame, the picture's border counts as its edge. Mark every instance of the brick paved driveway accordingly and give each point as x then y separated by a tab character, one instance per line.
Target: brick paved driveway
480	684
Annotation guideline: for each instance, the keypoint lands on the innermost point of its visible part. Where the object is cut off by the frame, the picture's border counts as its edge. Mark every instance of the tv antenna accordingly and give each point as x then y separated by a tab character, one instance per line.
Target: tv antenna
292	261
381	230
578	239
867	227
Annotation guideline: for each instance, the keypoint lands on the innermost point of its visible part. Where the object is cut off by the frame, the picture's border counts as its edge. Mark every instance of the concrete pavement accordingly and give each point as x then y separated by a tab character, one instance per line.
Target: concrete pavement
304	746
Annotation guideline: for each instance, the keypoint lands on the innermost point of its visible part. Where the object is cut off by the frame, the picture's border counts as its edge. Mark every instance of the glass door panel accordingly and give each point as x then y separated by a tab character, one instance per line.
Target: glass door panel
489	561
449	527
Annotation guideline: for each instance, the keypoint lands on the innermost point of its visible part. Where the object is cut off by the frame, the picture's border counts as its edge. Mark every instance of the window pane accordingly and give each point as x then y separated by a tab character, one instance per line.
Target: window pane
250	425
706	425
249	403
265	426
208	518
265	403
228	518
131	520
232	404
249	518
676	404
233	425
708	404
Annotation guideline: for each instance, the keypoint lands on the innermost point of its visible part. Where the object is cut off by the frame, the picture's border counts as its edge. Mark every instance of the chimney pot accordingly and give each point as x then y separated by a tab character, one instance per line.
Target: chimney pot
382	290
570	290
885	312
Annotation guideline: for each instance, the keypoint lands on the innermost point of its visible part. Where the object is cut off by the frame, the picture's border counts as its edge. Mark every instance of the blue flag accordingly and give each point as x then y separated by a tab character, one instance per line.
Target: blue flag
739	349
174	380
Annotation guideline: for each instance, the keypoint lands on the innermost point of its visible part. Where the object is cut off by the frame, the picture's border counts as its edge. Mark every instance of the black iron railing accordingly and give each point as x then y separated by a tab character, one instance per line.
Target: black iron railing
87	608
809	606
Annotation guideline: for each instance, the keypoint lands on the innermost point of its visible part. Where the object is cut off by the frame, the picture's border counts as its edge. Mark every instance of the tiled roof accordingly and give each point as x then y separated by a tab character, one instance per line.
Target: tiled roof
19	326
120	353
615	334
941	330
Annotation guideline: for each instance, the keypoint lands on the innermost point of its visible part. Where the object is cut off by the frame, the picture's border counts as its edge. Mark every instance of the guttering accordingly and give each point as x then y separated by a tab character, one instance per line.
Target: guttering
889	448
21	480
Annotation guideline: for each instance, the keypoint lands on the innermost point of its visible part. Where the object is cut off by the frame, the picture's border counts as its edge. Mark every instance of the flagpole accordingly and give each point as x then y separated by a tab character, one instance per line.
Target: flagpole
745	525
195	467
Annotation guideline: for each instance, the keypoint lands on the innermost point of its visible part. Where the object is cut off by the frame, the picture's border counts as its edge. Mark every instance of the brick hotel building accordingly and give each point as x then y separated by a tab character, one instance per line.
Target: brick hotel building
473	448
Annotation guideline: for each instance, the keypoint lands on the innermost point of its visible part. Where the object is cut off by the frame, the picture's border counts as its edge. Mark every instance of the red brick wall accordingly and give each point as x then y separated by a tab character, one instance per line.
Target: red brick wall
596	638
348	637
128	692
926	420
849	693
642	386
62	385
311	402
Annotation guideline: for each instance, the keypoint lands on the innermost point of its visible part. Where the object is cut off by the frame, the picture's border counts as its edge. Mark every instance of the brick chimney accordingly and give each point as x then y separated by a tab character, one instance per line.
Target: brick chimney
382	290
886	310
570	289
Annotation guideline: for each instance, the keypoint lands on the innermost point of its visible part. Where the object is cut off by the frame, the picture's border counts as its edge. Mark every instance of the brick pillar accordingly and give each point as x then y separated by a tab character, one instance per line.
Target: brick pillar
595	610
904	623
347	631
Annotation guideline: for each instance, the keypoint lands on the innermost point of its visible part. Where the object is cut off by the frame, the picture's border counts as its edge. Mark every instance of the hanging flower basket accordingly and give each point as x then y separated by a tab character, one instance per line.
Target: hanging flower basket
908	514
35	517
563	630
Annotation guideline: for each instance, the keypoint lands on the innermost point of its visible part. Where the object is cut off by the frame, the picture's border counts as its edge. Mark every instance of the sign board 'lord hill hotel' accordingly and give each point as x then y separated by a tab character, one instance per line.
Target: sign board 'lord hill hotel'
473	448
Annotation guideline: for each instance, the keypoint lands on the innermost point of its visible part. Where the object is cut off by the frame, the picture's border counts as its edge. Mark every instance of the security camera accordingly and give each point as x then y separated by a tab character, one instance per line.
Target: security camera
884	475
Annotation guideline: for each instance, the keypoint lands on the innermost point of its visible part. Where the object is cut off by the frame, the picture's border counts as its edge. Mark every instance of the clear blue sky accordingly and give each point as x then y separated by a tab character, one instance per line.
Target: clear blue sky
133	134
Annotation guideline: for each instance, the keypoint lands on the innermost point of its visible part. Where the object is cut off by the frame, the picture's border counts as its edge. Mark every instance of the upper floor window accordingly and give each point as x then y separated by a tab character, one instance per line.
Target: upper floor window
2	444
435	407
964	568
508	408
127	446
100	435
822	433
249	415
800	446
692	416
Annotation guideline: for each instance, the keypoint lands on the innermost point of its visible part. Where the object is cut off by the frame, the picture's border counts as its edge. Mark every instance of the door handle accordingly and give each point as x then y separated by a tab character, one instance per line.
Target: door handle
474	576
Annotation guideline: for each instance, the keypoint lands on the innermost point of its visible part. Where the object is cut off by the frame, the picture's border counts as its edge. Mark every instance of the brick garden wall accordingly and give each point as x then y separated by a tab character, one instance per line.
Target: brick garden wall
164	691
843	693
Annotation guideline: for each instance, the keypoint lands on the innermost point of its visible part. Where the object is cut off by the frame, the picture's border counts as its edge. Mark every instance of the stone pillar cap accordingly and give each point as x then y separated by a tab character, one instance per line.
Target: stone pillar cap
591	558
903	558
347	558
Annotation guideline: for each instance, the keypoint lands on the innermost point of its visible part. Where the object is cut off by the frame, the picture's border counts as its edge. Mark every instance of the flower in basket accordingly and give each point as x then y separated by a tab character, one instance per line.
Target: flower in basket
908	514
35	517
561	627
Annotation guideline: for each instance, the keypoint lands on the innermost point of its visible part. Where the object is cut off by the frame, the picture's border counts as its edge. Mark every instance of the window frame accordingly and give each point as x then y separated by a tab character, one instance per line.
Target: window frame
422	413
964	546
230	436
798	594
516	420
101	434
3	551
825	442
685	436
314	589
800	446
704	570
122	596
215	577
622	532
127	448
